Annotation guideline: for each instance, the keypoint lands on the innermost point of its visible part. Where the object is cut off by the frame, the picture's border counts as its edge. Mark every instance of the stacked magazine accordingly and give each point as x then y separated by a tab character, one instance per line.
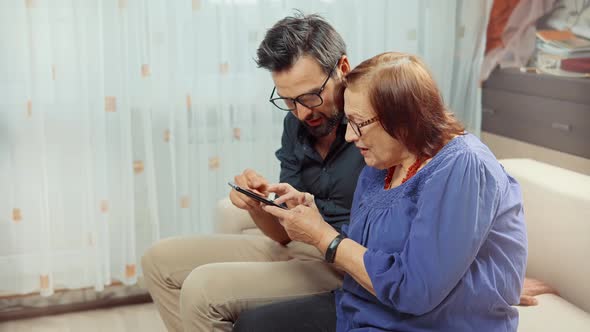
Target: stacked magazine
561	52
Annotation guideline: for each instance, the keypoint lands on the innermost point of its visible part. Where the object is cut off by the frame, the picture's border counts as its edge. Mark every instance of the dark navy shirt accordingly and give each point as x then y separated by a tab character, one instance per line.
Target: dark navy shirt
331	180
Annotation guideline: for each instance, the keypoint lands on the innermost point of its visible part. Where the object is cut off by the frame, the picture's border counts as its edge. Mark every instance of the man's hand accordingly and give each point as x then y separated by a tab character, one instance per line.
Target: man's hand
267	223
251	180
532	288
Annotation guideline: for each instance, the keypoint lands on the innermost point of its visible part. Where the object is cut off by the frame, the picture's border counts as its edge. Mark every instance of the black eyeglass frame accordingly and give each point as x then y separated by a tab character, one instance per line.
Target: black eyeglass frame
356	127
296	100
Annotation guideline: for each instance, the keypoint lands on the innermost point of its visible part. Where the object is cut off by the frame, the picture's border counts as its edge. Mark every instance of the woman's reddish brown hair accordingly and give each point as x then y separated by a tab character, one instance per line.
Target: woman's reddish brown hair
407	101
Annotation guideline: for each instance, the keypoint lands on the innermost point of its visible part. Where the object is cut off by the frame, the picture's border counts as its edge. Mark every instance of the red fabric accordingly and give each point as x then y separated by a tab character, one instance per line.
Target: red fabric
501	11
576	65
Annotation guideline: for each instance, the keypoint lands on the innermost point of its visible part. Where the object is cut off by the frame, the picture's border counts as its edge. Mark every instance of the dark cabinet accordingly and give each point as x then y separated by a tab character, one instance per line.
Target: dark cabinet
544	110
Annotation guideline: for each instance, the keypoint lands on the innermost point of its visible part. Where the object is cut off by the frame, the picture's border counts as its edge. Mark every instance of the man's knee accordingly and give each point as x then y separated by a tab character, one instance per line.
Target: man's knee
149	260
154	256
159	254
205	288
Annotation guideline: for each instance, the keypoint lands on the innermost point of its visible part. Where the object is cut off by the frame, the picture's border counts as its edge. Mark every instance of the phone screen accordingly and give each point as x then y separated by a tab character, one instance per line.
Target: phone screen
255	196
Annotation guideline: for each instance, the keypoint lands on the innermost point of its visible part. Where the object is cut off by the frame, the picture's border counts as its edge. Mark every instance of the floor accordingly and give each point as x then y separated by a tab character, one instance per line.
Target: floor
140	317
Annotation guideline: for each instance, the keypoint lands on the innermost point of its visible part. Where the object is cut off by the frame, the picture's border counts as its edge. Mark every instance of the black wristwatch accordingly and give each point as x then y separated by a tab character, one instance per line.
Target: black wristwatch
331	251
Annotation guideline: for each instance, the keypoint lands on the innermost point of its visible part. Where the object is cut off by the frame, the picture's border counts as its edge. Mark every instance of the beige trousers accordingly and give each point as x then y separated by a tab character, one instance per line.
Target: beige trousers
202	283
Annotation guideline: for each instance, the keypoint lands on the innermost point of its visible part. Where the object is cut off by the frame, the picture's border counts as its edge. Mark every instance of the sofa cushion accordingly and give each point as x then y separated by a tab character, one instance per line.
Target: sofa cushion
553	314
557	214
231	220
252	231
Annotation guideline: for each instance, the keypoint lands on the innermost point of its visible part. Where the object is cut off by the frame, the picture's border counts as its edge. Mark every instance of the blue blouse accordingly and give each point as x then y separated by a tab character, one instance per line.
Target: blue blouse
446	250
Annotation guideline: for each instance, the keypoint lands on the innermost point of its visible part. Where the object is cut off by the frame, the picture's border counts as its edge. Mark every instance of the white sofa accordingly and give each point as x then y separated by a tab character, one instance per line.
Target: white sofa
557	211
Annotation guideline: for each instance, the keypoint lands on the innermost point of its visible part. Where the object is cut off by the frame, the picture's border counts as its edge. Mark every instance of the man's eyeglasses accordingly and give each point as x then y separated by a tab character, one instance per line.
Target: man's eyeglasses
309	100
356	127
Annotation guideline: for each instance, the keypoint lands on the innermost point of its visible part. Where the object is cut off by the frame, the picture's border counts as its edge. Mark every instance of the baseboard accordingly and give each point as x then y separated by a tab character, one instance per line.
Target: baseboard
103	303
22	306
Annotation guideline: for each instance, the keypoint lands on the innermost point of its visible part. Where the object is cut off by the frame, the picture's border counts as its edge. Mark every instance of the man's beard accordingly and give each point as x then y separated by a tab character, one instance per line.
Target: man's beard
328	124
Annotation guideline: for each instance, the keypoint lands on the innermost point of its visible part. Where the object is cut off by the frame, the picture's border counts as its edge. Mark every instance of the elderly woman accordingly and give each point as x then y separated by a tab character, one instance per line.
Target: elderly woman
437	237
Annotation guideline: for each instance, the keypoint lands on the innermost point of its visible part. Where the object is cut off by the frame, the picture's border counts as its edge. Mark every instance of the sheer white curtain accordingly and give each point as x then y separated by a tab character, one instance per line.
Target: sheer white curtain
122	120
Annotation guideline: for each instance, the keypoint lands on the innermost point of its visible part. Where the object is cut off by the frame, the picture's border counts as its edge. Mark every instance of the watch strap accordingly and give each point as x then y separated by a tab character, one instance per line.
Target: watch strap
331	251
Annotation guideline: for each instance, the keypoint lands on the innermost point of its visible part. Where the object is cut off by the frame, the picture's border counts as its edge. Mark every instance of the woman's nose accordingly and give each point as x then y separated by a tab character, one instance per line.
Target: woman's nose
350	135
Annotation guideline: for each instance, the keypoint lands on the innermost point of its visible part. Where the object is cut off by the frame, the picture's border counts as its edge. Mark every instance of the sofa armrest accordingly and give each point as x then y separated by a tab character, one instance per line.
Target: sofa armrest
231	220
557	214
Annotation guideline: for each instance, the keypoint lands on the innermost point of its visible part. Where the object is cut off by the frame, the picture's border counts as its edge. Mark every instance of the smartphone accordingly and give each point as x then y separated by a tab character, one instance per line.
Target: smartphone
255	196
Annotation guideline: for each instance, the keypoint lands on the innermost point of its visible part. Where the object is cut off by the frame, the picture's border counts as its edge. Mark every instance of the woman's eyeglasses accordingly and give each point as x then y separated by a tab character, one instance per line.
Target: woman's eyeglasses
356	127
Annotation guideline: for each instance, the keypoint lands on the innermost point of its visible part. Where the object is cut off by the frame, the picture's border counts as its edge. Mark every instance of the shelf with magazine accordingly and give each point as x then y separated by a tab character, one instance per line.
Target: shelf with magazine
562	53
563	40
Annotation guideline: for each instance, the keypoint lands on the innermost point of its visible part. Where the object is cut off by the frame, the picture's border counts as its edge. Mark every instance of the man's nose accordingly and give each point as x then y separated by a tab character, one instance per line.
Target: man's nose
303	112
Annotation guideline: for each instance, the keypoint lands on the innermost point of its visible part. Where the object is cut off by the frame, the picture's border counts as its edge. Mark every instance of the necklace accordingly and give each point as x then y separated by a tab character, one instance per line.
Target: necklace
412	170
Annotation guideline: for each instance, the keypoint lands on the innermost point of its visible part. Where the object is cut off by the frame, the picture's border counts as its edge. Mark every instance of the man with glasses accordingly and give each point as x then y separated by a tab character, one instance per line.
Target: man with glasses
203	283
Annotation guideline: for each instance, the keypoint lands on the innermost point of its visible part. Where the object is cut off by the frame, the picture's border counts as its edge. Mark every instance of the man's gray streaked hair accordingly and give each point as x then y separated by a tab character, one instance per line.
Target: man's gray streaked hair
298	35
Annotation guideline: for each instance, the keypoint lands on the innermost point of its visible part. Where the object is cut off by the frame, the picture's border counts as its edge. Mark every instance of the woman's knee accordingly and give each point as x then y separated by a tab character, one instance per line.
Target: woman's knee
247	322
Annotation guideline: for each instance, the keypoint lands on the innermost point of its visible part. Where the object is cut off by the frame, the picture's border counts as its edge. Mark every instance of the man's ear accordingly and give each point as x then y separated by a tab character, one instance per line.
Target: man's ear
344	65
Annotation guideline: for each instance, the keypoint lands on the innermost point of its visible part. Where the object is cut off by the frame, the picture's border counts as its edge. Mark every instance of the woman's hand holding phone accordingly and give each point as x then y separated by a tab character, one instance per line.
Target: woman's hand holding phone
302	221
290	196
